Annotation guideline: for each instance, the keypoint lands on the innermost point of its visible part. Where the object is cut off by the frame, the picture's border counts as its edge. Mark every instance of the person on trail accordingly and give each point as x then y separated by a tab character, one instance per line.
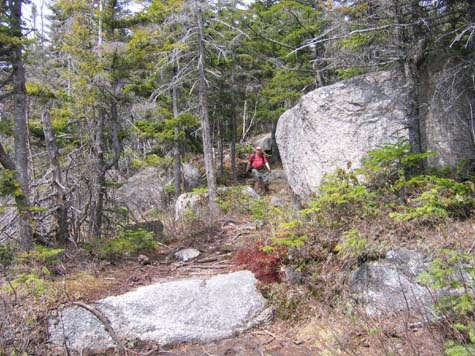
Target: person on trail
257	161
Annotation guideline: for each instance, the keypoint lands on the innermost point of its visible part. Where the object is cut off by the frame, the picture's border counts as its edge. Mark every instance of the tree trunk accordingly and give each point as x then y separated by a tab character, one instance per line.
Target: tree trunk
61	213
21	131
103	166
413	56
233	122
205	126
98	185
233	143
176	148
220	150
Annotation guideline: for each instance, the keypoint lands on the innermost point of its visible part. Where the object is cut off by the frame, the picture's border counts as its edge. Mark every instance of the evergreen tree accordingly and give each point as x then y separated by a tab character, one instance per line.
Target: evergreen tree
13	86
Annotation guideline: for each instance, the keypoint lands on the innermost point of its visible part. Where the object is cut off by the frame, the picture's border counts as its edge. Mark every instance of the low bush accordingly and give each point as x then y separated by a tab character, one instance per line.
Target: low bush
264	265
432	199
7	255
342	198
455	271
235	199
129	243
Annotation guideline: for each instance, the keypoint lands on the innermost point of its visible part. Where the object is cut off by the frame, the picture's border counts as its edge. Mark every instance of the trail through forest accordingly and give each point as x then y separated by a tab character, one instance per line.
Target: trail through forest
218	248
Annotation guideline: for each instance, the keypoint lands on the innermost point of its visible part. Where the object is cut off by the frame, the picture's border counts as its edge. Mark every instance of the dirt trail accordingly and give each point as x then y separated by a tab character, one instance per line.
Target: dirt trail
217	252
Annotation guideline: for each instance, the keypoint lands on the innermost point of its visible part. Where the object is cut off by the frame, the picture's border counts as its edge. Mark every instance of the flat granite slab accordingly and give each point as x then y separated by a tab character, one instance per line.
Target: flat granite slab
191	310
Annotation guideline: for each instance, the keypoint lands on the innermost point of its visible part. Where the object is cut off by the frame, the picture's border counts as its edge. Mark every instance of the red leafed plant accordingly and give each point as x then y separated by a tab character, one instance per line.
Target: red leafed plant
264	265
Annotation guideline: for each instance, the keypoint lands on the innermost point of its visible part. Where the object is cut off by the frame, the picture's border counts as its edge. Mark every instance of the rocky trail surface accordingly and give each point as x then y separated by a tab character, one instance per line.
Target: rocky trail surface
206	306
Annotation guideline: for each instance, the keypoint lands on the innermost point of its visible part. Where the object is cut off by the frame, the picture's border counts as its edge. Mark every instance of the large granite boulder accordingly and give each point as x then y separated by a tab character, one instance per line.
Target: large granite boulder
338	124
145	191
391	285
192	310
264	141
192	176
446	112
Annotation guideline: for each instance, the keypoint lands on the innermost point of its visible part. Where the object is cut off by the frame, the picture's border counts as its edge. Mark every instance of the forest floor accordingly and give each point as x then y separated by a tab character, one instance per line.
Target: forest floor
305	322
218	248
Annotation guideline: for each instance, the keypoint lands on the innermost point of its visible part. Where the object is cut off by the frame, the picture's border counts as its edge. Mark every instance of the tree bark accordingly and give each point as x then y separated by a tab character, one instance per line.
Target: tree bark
176	148
61	213
220	150
233	121
103	166
21	130
205	126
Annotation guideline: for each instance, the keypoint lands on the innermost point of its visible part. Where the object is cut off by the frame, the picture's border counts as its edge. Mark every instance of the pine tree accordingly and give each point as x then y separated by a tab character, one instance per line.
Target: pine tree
11	51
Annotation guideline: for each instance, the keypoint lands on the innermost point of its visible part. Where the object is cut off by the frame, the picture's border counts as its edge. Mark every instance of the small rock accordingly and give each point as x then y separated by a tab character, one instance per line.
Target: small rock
143	260
187	254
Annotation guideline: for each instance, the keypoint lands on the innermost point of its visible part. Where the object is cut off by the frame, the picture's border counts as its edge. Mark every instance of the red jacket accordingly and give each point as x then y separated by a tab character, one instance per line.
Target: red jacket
257	161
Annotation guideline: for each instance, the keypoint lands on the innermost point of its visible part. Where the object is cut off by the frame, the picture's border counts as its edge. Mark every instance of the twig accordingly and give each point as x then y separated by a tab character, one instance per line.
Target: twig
206	352
211	267
206	260
270	334
65	342
13	290
124	351
102	318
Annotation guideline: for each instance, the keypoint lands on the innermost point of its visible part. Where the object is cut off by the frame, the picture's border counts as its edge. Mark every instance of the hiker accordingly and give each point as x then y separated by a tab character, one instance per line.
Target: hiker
257	161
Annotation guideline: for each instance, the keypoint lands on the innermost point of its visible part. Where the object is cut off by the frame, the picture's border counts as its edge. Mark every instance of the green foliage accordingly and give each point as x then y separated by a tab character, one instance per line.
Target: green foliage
42	256
453	348
347	73
388	182
289	235
243	150
353	245
129	243
285	301
7	255
342	198
36	128
28	283
384	166
357	41
200	191
8	183
235	199
261	211
6	127
39	90
431	199
152	160
455	270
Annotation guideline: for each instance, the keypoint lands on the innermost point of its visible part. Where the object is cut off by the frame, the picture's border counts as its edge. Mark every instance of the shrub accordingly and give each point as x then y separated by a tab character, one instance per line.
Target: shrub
234	199
28	283
285	300
342	198
264	265
431	199
353	245
7	255
289	235
243	150
456	271
129	243
383	167
42	258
